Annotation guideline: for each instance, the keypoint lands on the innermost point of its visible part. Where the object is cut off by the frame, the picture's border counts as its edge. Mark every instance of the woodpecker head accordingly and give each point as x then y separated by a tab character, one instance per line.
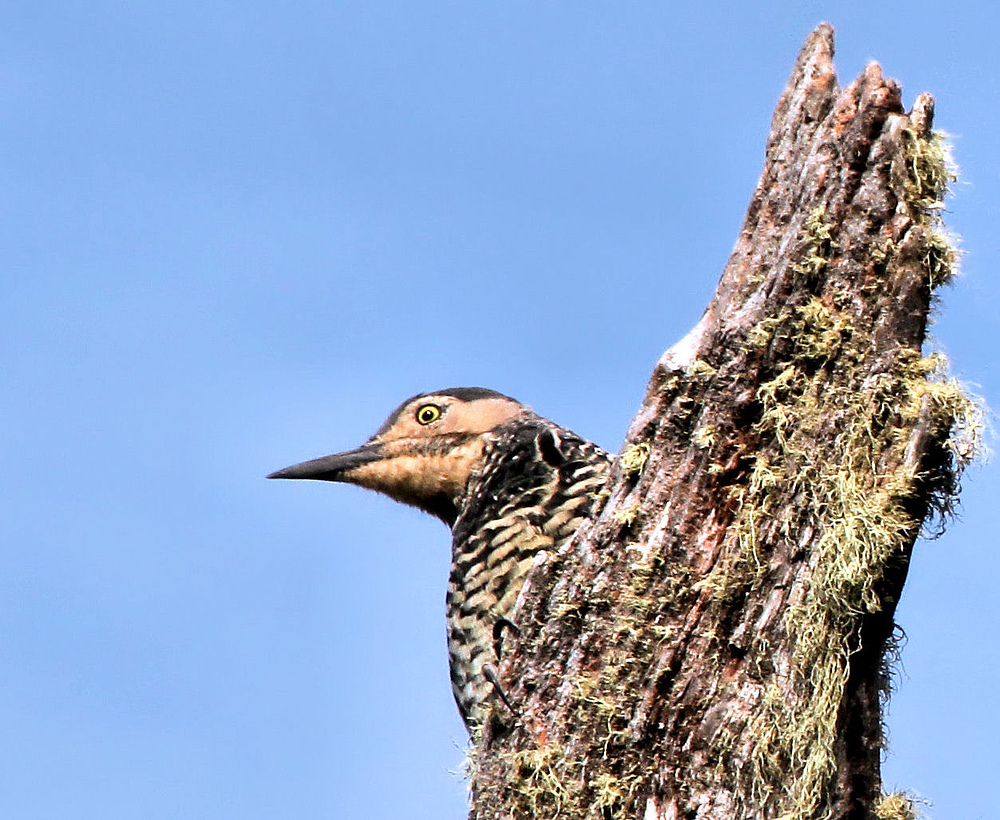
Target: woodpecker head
425	451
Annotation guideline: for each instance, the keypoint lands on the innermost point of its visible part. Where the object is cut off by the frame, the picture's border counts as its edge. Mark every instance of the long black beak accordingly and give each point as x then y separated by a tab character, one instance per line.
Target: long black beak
332	468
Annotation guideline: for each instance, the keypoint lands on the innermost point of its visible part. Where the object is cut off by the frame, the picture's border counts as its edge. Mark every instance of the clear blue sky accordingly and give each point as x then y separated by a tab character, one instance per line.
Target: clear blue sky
235	235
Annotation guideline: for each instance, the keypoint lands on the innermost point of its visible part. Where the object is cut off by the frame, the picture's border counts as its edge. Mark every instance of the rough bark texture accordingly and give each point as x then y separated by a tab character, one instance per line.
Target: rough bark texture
714	645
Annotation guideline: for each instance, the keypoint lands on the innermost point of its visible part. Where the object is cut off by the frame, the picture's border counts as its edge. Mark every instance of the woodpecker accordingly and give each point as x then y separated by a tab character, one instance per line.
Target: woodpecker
508	483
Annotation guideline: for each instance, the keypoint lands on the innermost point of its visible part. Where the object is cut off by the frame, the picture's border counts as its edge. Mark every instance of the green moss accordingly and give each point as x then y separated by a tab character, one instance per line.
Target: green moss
607	791
703	437
857	497
818	243
633	458
824	331
834	456
940	259
858	494
626	515
762	333
897	806
538	784
930	168
700	369
930	171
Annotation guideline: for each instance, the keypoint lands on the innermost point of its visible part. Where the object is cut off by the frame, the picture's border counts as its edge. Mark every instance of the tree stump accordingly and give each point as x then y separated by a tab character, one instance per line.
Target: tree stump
714	645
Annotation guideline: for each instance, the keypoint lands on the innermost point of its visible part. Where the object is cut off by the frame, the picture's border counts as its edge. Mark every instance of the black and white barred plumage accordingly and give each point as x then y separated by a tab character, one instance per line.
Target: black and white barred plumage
508	482
536	485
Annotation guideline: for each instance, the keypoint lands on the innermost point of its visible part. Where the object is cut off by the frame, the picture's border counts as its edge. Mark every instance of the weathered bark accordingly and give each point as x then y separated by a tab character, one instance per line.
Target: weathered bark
713	645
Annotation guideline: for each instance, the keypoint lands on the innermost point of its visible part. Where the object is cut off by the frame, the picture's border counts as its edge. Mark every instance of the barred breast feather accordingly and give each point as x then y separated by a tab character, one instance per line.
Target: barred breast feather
537	484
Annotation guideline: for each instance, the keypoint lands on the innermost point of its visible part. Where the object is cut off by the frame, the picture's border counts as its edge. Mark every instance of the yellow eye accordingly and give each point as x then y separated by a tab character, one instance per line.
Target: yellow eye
427	413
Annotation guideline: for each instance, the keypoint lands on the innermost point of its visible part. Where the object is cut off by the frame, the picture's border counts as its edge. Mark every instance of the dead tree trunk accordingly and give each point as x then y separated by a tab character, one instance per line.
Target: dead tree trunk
714	645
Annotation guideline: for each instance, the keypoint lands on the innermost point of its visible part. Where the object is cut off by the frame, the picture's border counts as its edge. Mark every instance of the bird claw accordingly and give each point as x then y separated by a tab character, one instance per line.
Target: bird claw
490	673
